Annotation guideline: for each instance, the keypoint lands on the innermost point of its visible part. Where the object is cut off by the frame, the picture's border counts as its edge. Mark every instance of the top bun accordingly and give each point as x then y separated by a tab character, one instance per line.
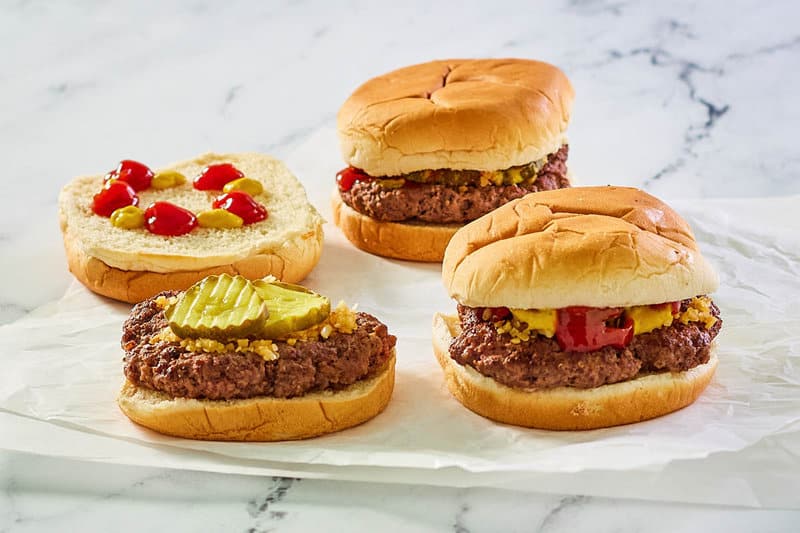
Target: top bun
592	246
290	216
480	114
134	264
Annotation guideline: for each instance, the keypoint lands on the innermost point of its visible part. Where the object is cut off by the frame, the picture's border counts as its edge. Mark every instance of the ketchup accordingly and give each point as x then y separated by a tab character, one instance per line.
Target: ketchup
215	177
164	218
584	329
347	177
135	174
499	313
242	204
115	194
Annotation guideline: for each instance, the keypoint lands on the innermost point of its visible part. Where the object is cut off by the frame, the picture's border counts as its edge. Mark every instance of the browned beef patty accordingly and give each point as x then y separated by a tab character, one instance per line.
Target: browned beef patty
449	204
331	364
540	363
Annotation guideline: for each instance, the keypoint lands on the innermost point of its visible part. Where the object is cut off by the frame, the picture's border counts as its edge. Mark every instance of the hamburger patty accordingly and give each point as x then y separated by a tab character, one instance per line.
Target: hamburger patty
331	364
540	363
449	204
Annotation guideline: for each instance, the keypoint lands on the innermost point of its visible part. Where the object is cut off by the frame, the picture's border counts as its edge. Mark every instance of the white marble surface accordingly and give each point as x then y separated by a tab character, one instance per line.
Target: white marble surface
683	99
48	494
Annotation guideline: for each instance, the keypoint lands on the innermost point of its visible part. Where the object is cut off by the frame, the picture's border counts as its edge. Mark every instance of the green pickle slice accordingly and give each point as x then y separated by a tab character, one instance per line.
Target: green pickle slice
218	307
291	307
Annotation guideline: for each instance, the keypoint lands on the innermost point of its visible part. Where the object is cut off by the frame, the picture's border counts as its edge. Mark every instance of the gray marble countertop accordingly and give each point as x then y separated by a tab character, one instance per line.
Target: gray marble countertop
683	99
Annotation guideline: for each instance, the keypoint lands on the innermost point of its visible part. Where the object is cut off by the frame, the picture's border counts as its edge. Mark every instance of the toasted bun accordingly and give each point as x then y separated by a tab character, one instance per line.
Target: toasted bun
566	408
484	114
593	246
291	263
132	265
411	241
262	418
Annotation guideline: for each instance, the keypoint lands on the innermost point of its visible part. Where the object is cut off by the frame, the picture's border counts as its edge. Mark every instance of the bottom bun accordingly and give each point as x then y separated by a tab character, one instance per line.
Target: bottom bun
259	419
567	408
291	263
411	241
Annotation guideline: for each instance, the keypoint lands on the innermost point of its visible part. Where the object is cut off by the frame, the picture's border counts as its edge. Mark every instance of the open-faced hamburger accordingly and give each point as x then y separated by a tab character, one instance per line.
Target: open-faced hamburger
134	232
433	146
577	309
239	360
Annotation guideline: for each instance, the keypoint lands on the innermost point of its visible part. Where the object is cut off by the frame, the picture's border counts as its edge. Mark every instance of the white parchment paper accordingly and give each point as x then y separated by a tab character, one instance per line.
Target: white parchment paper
62	367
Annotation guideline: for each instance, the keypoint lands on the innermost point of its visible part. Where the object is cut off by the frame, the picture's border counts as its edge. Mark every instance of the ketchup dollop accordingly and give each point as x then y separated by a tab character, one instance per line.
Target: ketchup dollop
115	194
584	329
215	177
165	218
137	175
499	313
242	204
347	177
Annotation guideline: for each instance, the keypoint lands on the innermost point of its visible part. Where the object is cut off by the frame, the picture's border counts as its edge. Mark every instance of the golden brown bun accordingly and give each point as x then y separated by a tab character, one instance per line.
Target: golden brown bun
291	263
482	114
413	242
259	419
593	246
566	408
132	265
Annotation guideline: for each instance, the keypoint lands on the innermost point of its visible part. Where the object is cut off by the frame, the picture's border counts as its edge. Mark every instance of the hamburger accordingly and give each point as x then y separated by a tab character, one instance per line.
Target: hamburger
237	360
433	146
134	232
577	309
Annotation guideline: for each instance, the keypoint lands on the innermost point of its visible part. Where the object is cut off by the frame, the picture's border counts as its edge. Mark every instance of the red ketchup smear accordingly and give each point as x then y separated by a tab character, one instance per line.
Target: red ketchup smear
164	218
135	174
499	313
584	329
242	204
215	177
347	177
115	194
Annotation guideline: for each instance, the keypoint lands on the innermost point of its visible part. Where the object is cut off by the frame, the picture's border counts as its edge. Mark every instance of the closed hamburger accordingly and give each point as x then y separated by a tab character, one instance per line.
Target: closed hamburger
433	146
577	309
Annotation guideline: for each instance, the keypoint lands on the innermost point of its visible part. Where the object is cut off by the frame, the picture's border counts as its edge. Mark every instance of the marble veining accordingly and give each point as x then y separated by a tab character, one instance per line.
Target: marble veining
713	112
685	99
460	518
47	493
259	508
566	505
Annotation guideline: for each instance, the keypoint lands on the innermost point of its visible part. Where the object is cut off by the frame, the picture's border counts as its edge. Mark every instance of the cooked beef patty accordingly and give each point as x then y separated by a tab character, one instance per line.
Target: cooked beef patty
331	364
540	363
447	203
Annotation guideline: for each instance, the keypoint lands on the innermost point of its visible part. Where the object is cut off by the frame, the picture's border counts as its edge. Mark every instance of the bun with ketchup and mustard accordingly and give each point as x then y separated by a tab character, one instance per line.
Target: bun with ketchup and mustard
433	146
577	309
135	232
240	360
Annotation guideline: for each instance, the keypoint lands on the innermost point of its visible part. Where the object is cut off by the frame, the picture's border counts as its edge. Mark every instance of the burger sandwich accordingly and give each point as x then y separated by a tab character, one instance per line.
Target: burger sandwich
578	308
238	360
433	146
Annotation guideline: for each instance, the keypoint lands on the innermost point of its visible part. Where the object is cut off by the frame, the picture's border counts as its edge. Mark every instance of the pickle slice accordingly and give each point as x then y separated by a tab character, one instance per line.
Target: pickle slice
218	307
291	307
